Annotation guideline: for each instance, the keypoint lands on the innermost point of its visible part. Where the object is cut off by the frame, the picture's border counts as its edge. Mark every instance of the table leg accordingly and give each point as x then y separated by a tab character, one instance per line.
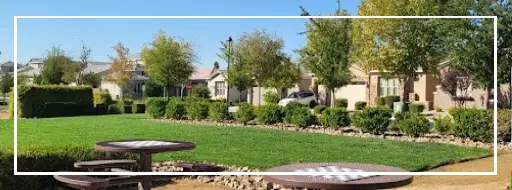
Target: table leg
145	163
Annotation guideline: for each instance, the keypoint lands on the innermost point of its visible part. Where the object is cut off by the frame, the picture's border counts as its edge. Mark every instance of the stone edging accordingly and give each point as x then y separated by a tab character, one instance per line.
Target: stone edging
354	132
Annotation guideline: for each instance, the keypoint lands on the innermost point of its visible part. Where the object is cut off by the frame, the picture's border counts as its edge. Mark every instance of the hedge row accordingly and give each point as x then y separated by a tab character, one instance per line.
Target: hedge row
46	159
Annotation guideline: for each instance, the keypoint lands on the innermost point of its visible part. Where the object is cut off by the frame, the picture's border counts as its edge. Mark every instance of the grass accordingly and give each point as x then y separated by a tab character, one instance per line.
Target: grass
242	146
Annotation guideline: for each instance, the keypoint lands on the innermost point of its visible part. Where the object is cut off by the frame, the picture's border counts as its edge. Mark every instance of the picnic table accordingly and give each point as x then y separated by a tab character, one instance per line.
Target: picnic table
339	182
145	148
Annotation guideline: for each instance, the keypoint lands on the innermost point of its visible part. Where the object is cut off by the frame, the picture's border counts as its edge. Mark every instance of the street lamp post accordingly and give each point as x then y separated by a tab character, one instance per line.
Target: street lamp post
230	52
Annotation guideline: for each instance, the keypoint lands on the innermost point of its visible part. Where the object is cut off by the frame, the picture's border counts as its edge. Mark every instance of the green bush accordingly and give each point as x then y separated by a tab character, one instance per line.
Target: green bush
439	110
138	108
416	107
341	103
443	125
200	91
302	117
60	109
175	108
380	101
114	109
335	117
196	108
11	105
475	124
414	124
222	100
360	105
269	114
373	119
124	107
244	113
32	99
101	109
47	159
156	107
270	97
218	111
289	110
319	109
504	125
102	97
389	100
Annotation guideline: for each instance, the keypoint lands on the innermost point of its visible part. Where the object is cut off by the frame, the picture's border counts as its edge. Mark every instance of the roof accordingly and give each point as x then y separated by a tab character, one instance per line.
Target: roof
133	57
202	73
97	68
30	71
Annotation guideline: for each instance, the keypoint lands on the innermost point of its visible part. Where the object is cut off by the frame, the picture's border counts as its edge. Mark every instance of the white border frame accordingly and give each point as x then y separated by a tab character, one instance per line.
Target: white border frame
495	172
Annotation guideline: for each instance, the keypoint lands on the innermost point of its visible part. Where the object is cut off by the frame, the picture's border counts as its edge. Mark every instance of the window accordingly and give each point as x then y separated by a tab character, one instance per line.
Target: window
388	87
220	88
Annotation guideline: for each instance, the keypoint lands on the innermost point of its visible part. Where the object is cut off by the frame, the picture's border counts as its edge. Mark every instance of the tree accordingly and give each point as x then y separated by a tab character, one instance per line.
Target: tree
239	73
82	64
263	53
152	89
399	47
22	79
327	51
169	61
90	79
120	72
6	83
216	65
57	68
457	83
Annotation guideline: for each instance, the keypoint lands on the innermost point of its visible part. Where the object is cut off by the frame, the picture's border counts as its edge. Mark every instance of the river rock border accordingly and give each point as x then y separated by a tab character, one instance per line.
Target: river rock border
352	131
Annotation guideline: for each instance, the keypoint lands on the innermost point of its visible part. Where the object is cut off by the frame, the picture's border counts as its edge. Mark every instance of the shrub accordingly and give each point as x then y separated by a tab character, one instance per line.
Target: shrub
416	107
373	119
504	125
389	100
289	110
138	108
101	109
175	109
335	117
439	110
123	107
196	108
360	105
270	97
46	159
223	100
114	109
413	124
319	109
269	114
86	109
60	109
200	91
156	107
302	117
475	124
443	125
381	101
341	103
452	110
102	97
244	113
11	105
32	99
218	111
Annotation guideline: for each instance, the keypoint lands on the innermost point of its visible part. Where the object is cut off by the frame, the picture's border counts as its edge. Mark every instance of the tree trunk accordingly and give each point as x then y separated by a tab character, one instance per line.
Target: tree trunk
181	92
259	95
487	97
333	98
405	95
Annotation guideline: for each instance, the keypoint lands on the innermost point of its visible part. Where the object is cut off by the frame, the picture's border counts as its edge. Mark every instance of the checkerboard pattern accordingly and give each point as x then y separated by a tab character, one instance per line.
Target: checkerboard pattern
344	178
142	144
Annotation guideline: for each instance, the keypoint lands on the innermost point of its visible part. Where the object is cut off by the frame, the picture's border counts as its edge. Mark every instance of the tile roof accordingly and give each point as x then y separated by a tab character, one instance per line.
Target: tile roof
202	73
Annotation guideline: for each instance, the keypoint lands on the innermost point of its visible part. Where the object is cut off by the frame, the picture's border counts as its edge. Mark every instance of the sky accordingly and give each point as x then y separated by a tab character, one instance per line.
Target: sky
36	36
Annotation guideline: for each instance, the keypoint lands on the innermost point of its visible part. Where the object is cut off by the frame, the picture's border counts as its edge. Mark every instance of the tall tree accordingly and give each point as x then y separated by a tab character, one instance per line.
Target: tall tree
120	72
90	79
57	68
169	61
263	53
216	65
327	51
239	73
82	63
6	83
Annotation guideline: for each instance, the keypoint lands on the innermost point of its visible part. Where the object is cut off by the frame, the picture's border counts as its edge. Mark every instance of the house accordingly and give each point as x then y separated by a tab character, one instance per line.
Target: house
135	84
7	67
217	83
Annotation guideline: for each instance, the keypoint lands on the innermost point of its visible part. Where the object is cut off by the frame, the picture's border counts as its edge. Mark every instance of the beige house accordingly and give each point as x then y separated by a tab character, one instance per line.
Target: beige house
217	83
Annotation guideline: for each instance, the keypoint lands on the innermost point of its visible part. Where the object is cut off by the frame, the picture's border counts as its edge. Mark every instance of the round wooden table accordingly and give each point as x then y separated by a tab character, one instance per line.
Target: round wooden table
339	182
145	148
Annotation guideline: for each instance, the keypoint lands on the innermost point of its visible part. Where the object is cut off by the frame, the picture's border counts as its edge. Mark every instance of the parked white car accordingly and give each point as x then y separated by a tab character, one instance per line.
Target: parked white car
304	97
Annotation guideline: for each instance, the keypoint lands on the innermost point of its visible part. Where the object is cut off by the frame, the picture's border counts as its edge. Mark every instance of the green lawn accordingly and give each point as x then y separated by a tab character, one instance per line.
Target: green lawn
242	146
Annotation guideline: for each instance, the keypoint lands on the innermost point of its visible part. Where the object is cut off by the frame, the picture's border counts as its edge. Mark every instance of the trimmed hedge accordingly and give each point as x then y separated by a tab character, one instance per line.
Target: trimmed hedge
335	117
341	103
102	97
416	107
269	114
443	125
101	109
11	106
389	100
270	97
218	111
46	159
289	110
319	109
244	113
196	108
32	99
175	109
504	125
114	109
360	105
475	124
138	108
156	107
298	114
60	109
380	101
413	124
373	119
